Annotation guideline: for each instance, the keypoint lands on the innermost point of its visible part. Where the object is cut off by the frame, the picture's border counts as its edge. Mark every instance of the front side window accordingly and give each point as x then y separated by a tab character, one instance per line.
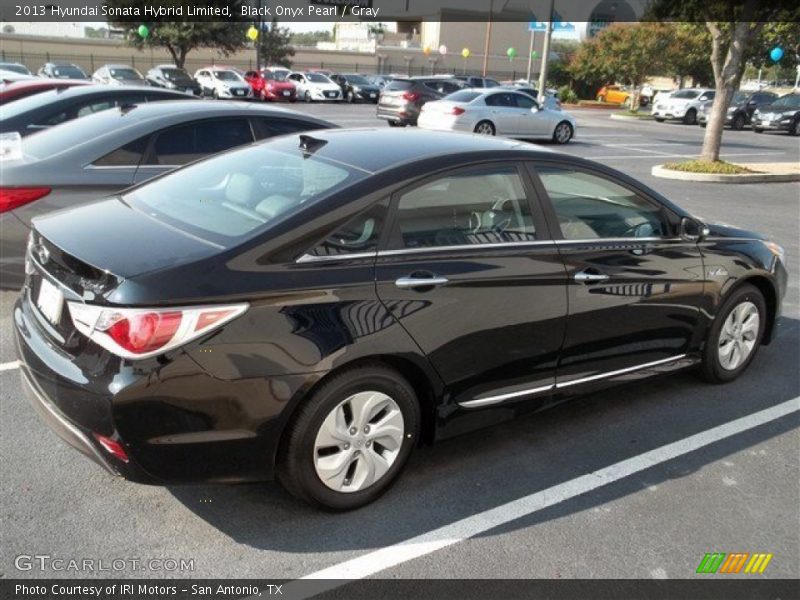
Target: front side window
592	207
470	208
524	101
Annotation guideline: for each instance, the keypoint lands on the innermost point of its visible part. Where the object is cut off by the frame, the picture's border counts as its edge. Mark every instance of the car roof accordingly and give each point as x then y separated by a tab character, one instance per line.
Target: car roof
79	91
374	149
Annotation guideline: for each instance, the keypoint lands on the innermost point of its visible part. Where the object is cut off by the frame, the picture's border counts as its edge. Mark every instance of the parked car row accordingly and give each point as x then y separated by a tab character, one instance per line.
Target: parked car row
762	110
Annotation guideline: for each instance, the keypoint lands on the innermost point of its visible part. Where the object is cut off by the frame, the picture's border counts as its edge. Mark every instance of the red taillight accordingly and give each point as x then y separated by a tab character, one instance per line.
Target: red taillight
457	110
113	447
141	333
411	96
14	197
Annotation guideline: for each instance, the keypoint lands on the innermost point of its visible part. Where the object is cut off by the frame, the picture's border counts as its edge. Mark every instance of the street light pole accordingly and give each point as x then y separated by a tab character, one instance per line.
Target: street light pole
488	38
530	55
546	55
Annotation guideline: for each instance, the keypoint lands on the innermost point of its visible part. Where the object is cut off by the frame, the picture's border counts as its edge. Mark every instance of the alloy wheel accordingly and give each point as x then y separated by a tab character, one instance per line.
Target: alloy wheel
358	441
563	133
738	335
484	128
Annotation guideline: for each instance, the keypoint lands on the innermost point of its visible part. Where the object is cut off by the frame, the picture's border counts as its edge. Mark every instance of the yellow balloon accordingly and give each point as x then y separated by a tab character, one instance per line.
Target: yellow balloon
426	50
465	53
252	33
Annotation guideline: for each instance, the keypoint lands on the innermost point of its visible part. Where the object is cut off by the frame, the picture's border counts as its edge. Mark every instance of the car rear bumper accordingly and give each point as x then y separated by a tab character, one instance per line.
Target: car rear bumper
402	113
176	422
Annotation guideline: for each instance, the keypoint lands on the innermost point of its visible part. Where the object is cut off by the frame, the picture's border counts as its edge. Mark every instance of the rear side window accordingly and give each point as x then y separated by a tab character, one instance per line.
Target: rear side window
129	155
360	234
506	100
269	127
469	208
180	145
398	85
589	206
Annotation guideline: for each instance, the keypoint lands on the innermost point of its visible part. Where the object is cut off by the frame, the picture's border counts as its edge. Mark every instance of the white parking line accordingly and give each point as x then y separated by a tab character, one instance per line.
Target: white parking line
651	157
14	364
391	556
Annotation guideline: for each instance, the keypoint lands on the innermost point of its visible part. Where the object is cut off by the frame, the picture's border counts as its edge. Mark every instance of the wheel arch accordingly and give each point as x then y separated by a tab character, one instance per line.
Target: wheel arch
770	294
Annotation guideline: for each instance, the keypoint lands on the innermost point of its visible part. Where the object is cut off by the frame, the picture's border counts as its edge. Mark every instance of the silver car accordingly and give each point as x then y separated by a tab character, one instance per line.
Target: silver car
101	154
118	75
496	111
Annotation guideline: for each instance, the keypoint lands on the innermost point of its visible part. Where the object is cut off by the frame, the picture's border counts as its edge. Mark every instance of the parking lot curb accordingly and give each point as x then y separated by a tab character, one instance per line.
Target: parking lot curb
660	171
627	118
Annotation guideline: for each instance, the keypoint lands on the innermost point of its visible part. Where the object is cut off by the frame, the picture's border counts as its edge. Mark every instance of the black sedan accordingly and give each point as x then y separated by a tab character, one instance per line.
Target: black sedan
357	88
35	113
101	154
315	306
741	109
172	78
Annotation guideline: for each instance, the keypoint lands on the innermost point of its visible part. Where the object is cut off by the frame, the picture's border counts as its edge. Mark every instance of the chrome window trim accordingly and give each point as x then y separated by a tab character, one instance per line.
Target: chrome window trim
489	400
618	240
461	247
310	258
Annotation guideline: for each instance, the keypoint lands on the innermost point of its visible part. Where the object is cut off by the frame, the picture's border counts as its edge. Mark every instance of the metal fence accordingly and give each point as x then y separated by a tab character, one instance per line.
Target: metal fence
143	62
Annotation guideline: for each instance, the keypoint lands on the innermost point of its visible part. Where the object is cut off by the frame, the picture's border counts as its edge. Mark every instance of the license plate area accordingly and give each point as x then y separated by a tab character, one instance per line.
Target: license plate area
50	301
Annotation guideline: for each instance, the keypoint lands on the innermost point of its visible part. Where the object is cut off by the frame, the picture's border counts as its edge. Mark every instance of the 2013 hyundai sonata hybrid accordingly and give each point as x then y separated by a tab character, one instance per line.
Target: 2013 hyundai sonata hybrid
315	306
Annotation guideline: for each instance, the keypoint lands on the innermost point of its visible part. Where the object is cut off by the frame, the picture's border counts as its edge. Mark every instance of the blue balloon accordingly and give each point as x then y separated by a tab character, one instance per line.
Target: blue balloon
776	54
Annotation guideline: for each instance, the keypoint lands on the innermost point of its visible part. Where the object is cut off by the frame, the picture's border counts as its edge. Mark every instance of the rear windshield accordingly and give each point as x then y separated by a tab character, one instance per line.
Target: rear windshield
23	105
69	73
15	68
233	196
398	84
357	79
55	140
684	94
462	96
176	75
124	74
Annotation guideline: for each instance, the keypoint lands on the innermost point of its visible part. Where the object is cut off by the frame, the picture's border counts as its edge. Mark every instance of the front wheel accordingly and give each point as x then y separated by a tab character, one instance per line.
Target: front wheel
658	119
738	122
757	130
795	128
307	97
735	335
690	118
485	128
350	439
351	97
562	133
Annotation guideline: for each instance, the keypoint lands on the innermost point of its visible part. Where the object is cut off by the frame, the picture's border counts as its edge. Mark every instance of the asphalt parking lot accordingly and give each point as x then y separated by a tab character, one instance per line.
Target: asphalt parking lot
474	506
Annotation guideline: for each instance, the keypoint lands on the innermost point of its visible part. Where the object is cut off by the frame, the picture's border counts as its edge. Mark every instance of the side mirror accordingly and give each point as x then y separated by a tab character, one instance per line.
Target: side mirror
535	108
692	230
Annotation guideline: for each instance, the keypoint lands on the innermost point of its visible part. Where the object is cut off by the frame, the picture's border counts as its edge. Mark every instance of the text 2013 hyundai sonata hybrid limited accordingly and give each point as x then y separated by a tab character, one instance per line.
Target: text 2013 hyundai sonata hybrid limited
315	306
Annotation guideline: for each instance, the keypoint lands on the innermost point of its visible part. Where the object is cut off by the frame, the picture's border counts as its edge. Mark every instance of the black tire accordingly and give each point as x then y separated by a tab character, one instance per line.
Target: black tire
738	122
758	130
307	97
658	119
395	124
295	463
563	140
351	97
215	94
690	118
703	125
711	369
795	127
485	127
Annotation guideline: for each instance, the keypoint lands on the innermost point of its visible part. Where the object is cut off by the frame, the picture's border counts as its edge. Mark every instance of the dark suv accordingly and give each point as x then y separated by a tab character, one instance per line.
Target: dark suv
402	99
781	115
477	82
740	111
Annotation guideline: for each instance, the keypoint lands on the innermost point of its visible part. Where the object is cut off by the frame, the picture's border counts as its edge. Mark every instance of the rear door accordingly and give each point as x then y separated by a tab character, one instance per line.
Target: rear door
469	272
506	115
635	287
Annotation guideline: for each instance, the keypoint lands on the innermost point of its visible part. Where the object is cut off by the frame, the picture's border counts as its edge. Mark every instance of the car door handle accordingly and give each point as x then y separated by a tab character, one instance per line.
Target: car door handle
589	277
405	283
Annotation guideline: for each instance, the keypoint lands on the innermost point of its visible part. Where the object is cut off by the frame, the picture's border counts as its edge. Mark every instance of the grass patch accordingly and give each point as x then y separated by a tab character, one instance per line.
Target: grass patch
719	167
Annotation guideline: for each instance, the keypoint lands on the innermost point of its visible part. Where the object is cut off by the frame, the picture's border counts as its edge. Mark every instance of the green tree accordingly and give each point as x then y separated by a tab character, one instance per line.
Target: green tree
735	27
688	54
275	45
624	52
181	37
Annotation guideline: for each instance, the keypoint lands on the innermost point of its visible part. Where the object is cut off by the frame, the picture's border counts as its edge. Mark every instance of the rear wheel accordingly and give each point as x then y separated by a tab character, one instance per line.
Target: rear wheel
735	335
350	440
738	122
307	96
690	118
562	133
484	128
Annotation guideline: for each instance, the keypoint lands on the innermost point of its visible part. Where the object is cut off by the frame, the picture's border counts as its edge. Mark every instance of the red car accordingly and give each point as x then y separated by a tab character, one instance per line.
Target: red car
270	86
29	87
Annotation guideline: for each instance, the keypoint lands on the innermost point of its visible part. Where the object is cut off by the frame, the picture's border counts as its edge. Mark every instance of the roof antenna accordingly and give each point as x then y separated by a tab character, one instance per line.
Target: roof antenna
309	144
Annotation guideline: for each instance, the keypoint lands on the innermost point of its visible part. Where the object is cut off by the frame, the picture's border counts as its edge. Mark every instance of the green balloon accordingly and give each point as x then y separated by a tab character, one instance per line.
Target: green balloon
534	54
143	31
511	53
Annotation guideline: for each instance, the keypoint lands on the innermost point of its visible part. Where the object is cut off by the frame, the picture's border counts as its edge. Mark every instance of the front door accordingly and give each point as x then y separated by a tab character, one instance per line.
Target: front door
635	287
469	271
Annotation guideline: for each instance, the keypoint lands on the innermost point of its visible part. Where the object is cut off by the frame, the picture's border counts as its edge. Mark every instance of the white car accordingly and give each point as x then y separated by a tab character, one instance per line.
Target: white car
221	82
683	105
118	75
313	87
497	112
